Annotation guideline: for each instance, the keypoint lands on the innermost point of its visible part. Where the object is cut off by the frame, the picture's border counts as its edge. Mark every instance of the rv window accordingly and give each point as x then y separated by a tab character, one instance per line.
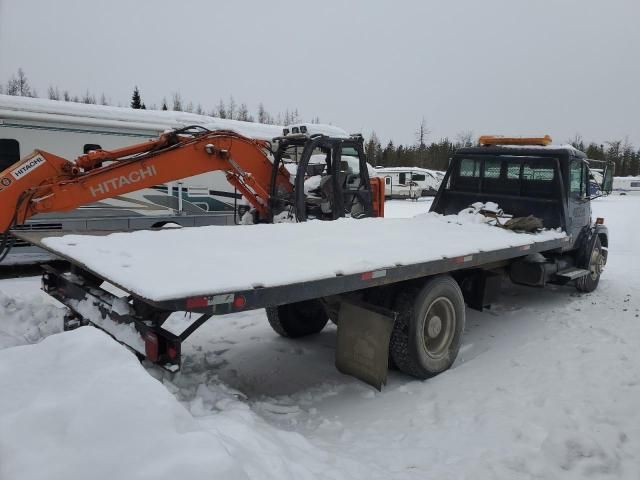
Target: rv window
418	177
634	184
9	152
90	146
387	180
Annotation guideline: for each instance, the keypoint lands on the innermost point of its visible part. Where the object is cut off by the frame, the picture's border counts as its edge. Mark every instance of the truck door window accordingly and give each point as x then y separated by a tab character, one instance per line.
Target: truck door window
576	183
9	152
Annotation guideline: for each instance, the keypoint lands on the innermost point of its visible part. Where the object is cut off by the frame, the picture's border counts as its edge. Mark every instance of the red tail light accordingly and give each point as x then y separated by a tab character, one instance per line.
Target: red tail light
151	346
172	351
239	302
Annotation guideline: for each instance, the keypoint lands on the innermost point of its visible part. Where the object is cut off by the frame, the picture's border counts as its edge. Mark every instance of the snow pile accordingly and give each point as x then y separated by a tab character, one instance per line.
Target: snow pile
135	260
78	405
475	213
27	319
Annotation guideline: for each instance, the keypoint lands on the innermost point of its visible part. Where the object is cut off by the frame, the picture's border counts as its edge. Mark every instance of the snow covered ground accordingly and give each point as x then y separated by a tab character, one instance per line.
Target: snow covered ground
547	385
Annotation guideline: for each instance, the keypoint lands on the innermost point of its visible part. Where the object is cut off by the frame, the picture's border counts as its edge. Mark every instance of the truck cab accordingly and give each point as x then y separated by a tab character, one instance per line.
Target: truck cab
528	176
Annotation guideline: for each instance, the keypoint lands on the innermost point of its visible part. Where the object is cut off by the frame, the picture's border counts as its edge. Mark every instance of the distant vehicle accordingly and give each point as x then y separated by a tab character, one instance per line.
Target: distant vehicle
624	185
403	182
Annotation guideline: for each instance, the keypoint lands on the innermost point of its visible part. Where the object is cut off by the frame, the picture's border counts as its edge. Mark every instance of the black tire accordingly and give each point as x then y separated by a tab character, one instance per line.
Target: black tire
299	319
596	257
428	332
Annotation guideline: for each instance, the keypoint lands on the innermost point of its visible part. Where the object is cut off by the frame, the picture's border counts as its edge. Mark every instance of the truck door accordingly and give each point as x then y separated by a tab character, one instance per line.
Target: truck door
579	207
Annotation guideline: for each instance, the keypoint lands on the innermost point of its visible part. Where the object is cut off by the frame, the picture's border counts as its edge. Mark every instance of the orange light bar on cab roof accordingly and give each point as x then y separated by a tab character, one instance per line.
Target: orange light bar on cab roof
498	140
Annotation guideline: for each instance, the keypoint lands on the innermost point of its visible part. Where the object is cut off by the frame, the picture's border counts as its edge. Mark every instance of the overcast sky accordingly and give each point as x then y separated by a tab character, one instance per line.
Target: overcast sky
495	66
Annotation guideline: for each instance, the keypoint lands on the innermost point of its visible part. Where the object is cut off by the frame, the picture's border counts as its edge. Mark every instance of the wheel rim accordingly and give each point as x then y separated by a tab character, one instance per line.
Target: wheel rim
439	327
597	263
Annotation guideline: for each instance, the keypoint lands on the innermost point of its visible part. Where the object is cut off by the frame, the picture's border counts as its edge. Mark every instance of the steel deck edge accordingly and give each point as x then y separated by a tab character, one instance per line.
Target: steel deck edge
224	302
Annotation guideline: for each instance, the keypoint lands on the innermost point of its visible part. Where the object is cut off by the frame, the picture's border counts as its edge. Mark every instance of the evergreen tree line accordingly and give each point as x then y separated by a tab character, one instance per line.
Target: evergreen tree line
19	85
433	155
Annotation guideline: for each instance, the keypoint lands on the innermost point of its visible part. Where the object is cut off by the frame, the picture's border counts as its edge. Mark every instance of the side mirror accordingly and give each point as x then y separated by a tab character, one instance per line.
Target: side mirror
607	180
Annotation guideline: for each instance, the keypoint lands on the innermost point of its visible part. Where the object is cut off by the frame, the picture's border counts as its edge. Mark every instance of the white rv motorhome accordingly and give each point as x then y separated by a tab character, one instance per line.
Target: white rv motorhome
406	182
70	129
624	185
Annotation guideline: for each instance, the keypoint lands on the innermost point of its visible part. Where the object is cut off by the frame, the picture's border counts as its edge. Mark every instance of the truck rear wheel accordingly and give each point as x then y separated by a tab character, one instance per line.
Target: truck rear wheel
589	282
428	331
298	319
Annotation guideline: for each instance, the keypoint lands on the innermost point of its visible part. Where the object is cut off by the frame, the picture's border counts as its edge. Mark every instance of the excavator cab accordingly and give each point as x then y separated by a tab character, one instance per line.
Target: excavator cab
331	179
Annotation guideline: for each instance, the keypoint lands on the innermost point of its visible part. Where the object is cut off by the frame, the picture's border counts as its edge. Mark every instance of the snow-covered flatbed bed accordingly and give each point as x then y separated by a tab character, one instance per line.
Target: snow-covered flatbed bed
171	267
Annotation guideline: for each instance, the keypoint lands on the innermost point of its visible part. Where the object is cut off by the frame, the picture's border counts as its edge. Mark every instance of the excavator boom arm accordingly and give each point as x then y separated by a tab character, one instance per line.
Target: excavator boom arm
44	182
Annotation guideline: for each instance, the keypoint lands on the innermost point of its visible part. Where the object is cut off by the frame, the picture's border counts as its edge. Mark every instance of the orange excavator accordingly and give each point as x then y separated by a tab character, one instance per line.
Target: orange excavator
44	182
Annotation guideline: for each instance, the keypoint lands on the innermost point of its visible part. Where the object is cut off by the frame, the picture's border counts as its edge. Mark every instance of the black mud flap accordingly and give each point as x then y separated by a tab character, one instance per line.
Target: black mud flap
364	331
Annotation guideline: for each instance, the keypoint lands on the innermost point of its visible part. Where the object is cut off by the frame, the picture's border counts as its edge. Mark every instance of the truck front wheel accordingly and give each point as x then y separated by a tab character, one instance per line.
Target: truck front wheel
589	282
428	331
298	319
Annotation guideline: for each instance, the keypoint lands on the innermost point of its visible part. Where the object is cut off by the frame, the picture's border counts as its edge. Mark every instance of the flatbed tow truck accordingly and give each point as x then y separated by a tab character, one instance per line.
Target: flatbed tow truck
403	306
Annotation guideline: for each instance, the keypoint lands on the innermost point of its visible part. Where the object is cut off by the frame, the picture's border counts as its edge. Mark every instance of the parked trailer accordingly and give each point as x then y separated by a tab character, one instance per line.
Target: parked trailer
71	129
625	185
408	182
404	304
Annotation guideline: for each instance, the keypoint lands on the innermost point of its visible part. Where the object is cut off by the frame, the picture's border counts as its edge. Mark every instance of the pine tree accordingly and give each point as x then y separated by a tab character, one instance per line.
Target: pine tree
18	85
577	142
177	102
263	115
231	109
372	149
88	98
54	93
164	104
243	113
136	101
421	134
222	110
103	100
